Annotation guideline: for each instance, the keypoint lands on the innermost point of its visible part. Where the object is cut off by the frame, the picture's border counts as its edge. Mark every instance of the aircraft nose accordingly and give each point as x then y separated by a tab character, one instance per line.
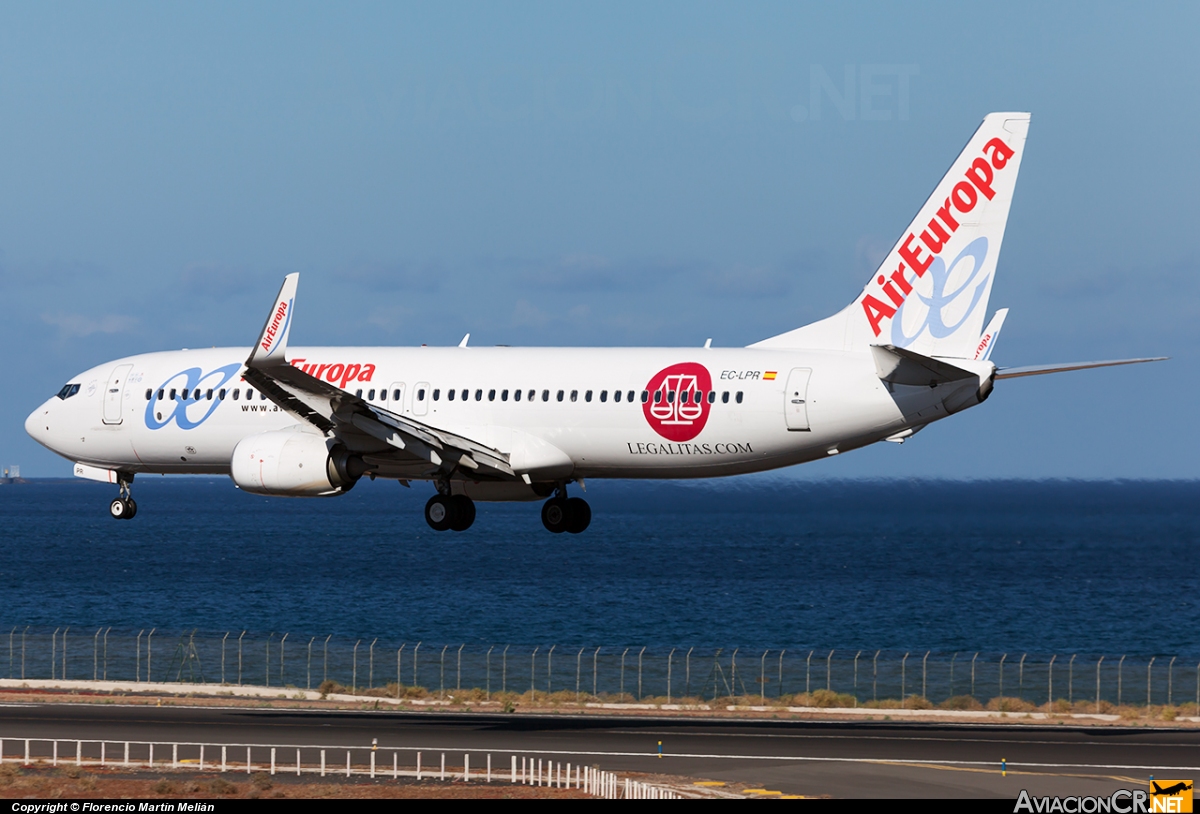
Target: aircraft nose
36	425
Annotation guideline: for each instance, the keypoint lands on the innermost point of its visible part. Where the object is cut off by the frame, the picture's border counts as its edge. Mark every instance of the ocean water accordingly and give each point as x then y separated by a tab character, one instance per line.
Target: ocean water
1096	567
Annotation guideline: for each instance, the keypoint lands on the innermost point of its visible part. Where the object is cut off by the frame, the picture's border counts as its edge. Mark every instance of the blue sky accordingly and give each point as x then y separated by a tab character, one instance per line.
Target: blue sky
604	174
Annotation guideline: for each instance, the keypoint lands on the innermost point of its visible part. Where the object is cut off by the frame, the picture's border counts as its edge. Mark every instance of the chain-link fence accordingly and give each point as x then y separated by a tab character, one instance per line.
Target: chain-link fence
624	673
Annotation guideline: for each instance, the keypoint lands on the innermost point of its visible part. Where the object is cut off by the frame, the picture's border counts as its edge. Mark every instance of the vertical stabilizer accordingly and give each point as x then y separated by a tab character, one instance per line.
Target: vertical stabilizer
931	293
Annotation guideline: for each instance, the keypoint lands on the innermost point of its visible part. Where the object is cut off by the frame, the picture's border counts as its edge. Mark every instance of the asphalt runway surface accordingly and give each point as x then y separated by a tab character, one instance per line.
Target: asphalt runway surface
853	759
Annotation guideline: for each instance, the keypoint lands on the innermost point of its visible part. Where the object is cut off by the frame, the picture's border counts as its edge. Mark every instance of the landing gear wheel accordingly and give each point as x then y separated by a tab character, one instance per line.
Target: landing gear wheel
554	515
132	508
439	512
462	512
120	509
579	514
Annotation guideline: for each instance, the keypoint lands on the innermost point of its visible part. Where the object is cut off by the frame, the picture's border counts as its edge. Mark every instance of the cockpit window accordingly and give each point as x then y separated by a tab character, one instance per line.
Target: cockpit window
68	390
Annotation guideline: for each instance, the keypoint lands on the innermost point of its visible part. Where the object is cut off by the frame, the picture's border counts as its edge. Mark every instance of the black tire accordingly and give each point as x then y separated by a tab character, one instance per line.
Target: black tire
439	513
119	509
132	508
463	513
554	515
579	514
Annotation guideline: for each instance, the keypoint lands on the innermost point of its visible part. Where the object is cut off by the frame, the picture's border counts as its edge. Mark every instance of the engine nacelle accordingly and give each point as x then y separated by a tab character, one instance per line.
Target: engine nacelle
294	463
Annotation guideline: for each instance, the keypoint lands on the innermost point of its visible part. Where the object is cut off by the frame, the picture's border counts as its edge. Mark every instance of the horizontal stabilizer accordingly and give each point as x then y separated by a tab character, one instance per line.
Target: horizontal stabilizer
902	366
1038	370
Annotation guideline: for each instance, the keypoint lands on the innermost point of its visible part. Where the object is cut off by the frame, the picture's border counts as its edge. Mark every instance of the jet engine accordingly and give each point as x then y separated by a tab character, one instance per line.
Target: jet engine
294	463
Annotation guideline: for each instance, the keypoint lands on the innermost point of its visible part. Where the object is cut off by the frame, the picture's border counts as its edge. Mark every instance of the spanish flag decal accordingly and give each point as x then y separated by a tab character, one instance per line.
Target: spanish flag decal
769	376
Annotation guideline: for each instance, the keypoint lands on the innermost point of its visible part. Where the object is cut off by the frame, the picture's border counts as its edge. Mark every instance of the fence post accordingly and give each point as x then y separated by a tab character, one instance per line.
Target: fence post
924	673
1120	672
533	672
458	676
442	677
640	653
875	677
595	656
64	661
226	636
53	651
416	650
829	672
733	673
1050	680
26	630
1149	667
240	658
973	674
503	669
623	672
371	665
687	674
267	669
903	678
1002	658
762	678
399	656
137	668
487	671
1071	680
952	660
578	675
808	674
308	678
106	632
781	652
149	638
11	634
354	669
1021	676
96	654
550	669
1098	684
282	681
1171	680
856	655
325	660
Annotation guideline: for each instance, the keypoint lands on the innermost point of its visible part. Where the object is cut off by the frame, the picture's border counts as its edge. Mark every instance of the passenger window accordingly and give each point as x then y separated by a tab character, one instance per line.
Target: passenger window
587	396
173	391
160	394
465	395
532	394
149	393
358	393
235	394
670	397
262	396
208	395
491	395
249	394
603	396
450	395
739	397
504	395
183	394
645	396
383	395
574	395
516	395
560	395
437	394
370	395
658	396
725	397
712	396
479	395
396	395
221	394
545	395
421	394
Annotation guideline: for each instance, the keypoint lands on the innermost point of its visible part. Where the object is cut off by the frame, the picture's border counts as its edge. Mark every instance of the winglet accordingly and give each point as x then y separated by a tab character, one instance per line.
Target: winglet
983	351
271	348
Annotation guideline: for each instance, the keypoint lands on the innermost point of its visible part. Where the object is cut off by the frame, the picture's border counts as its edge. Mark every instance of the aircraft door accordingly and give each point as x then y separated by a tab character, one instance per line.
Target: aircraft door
420	398
395	398
795	407
113	392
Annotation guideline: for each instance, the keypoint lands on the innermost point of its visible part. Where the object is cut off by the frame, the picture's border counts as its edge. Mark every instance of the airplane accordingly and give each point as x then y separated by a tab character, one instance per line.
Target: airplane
1171	790
510	424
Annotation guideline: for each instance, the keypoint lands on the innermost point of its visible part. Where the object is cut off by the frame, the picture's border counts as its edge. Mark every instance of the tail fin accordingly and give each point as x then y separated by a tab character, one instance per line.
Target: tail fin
931	293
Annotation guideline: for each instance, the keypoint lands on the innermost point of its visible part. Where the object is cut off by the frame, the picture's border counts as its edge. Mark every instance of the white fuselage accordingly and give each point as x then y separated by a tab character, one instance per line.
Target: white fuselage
143	414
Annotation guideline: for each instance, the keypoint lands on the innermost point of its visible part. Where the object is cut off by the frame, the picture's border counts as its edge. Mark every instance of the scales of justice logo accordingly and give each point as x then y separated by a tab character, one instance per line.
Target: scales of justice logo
678	407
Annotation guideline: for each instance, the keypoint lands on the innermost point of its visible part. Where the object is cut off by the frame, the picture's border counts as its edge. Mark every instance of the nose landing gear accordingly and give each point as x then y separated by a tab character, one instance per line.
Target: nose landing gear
124	507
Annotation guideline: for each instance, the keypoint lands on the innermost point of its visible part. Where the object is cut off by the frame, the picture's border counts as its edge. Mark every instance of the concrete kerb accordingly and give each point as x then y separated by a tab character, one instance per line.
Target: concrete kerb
293	694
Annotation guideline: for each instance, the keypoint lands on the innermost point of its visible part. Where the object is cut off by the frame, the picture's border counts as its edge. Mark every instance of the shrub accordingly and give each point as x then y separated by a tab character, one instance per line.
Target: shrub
962	702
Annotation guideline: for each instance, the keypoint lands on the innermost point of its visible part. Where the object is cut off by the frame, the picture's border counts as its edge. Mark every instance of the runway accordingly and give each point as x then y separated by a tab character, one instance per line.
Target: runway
857	759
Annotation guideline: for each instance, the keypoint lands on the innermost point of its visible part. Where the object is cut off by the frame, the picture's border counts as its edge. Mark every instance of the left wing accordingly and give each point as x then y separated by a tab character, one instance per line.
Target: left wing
1039	370
362	425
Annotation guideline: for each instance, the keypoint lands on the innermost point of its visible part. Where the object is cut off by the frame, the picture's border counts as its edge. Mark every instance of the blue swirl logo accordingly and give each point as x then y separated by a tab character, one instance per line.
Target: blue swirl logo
939	275
191	412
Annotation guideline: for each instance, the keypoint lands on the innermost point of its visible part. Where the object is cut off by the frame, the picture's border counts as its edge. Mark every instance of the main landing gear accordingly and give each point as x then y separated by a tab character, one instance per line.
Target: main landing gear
561	513
124	507
450	512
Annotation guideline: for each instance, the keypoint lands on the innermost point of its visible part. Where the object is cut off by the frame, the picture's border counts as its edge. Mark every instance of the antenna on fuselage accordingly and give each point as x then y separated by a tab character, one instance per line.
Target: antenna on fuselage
463	343
708	343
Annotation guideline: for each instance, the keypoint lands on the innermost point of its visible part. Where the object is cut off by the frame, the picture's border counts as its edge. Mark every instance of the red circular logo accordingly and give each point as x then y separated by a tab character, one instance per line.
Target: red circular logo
678	405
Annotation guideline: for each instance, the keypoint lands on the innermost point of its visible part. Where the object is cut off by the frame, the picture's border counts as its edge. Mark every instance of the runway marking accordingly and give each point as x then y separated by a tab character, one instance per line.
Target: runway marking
786	736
